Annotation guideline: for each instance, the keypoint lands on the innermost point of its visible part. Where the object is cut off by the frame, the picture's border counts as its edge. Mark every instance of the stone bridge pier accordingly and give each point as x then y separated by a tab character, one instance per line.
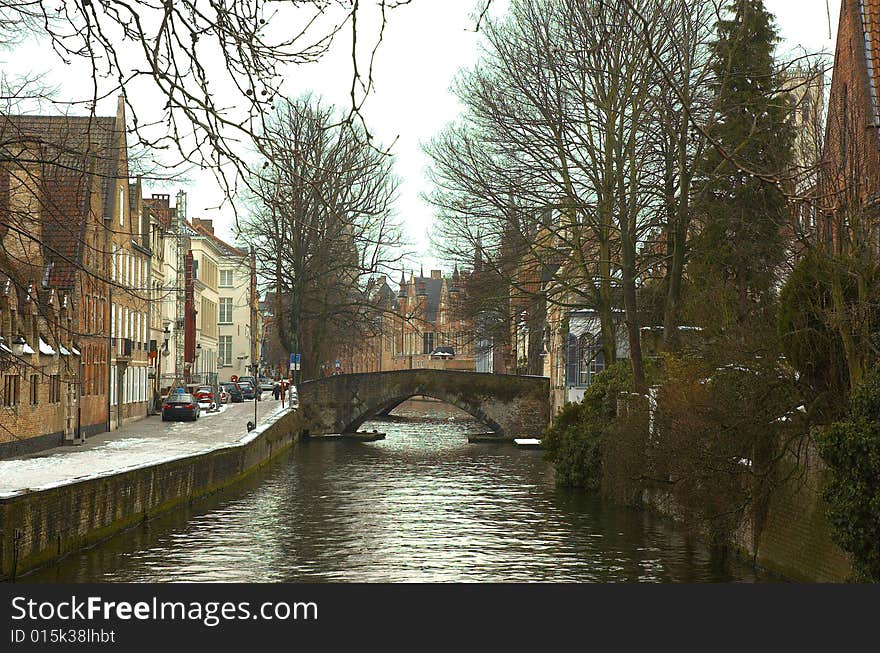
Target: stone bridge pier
512	406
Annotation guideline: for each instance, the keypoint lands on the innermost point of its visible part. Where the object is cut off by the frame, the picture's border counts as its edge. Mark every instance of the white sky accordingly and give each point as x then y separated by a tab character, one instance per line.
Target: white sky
426	44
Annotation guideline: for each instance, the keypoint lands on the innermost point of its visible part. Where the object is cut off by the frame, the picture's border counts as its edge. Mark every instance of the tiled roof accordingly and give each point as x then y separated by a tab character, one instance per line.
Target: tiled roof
225	248
69	141
433	288
870	12
65	208
68	151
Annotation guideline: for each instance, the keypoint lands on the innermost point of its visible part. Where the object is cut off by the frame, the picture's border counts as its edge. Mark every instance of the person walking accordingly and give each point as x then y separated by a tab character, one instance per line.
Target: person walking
276	390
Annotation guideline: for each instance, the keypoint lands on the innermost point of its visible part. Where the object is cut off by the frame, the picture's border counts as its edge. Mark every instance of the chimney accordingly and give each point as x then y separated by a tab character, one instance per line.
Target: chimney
436	274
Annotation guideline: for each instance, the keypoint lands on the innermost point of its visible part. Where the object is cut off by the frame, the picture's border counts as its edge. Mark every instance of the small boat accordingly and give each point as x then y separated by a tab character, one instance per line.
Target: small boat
527	443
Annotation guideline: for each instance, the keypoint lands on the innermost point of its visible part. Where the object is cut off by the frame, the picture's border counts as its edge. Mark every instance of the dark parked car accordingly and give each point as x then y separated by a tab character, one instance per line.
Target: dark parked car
234	392
247	390
179	406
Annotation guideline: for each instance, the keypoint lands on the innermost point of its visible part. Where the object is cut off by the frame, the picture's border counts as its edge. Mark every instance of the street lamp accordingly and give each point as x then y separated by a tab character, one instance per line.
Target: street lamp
196	355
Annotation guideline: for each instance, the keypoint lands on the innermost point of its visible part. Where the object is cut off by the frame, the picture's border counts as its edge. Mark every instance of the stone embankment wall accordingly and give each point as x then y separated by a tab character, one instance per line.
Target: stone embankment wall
795	538
37	528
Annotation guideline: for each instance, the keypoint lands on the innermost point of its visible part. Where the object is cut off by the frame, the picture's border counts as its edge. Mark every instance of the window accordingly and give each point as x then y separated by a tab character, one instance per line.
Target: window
54	389
121	206
209	318
10	389
226	279
225	353
35	389
427	343
585	355
226	310
591	358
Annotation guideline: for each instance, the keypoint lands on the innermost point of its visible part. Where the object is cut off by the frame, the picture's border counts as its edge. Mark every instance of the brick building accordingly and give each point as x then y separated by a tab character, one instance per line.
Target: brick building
850	176
60	178
421	325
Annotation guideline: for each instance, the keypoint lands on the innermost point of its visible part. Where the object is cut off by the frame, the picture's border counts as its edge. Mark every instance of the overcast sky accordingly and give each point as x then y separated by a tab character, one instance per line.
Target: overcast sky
426	44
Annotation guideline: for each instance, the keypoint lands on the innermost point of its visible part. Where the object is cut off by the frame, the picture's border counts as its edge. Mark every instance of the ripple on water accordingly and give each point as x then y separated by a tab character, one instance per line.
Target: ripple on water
421	505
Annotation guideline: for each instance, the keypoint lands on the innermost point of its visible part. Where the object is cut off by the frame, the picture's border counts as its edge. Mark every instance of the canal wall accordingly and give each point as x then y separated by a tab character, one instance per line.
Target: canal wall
795	538
791	536
37	528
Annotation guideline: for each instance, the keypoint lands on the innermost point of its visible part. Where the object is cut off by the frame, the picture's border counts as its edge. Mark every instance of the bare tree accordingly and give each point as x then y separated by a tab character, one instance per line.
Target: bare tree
321	224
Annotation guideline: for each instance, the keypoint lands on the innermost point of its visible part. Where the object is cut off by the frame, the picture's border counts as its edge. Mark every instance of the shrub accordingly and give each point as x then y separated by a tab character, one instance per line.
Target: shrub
574	441
804	322
851	448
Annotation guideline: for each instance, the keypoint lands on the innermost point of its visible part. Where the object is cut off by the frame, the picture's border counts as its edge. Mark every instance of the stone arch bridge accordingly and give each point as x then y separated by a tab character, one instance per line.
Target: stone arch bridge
512	406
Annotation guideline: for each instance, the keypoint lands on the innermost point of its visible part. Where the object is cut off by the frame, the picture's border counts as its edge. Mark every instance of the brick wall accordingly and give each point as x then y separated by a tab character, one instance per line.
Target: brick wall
795	540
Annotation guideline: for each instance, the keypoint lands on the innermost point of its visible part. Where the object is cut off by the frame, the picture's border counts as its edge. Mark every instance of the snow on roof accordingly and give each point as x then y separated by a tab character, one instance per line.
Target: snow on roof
27	349
64	351
45	348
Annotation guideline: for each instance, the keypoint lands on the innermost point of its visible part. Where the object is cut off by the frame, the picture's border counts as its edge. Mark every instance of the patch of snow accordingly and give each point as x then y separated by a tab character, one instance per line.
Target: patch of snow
45	348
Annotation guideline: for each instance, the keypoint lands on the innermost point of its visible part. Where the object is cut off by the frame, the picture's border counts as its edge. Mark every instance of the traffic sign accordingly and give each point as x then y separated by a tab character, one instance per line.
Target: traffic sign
233	378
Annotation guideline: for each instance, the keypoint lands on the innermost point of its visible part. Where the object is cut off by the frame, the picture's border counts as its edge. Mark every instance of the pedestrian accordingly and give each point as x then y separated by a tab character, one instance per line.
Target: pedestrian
276	390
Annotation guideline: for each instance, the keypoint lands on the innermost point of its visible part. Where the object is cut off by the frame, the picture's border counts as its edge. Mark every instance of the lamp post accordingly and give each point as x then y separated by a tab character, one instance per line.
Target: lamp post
163	352
255	369
198	353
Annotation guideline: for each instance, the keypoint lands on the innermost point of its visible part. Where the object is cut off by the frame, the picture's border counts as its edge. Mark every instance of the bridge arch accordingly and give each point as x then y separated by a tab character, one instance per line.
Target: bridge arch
512	406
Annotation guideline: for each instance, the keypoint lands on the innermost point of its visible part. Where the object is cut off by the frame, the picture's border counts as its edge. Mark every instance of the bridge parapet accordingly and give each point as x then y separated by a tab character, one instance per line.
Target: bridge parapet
513	406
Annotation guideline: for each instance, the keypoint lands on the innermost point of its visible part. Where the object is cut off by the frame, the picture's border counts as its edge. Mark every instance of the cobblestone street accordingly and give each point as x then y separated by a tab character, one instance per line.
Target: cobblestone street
140	443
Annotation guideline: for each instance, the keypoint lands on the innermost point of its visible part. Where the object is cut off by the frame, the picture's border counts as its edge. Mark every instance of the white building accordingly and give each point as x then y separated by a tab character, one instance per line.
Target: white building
237	319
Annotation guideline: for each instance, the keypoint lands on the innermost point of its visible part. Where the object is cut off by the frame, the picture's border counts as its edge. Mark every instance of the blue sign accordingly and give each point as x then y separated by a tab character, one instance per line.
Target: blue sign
297	359
179	391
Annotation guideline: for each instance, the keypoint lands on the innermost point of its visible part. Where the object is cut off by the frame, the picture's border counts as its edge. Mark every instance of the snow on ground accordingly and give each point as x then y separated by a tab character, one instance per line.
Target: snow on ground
139	444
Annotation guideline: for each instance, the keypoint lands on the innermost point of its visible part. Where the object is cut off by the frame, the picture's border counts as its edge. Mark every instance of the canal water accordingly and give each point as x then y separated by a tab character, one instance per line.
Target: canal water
421	505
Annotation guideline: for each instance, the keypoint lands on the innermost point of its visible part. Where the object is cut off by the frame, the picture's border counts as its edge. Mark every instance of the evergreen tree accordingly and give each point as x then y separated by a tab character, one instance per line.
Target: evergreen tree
741	244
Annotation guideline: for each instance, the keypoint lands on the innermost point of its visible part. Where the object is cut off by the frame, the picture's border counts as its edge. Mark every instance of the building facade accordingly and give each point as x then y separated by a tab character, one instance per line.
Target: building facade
238	318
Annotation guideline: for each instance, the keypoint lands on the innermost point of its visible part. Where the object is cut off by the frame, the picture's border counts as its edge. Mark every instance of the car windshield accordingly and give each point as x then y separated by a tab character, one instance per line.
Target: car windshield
204	389
181	399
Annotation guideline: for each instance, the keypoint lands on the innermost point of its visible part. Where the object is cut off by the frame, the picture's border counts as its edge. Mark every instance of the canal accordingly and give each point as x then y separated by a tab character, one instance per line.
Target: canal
421	505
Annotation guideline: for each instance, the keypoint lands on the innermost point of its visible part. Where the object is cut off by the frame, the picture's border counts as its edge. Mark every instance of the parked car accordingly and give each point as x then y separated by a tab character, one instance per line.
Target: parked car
233	391
247	390
266	384
180	406
205	394
248	379
224	396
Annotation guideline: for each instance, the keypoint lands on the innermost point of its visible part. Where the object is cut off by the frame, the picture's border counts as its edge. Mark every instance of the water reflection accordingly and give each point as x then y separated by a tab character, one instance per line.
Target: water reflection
421	505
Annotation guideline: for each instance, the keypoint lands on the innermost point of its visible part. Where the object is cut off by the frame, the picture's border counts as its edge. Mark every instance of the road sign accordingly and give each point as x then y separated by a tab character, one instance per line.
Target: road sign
233	378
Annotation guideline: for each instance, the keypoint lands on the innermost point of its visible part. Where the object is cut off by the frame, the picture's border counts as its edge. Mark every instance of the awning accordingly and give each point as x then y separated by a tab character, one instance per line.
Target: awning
45	348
